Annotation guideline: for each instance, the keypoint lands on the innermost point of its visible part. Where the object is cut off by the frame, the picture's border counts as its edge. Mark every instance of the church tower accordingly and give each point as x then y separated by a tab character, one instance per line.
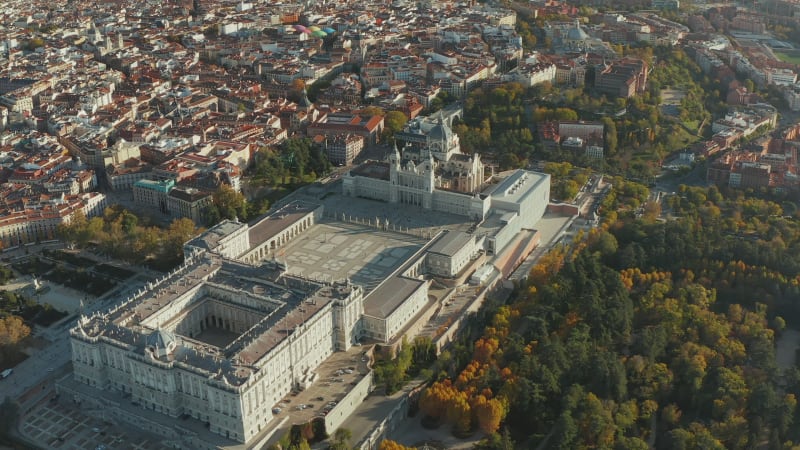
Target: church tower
305	113
305	103
94	35
394	174
429	181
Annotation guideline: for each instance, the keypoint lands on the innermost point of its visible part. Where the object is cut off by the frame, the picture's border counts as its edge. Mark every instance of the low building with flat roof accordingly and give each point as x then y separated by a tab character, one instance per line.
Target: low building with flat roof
450	254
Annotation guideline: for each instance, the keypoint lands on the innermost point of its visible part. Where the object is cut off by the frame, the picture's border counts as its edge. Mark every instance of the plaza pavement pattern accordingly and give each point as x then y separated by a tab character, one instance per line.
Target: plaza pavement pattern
334	251
51	421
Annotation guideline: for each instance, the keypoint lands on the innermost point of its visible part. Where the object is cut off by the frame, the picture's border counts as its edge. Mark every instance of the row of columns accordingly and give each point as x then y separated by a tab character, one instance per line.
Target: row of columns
414	271
283	238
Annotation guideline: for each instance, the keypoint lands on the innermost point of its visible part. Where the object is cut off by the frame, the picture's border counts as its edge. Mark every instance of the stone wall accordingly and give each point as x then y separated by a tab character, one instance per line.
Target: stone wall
348	404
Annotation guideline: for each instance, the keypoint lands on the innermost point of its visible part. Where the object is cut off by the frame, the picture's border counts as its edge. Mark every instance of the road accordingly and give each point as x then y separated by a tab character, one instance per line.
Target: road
43	366
668	182
375	408
40	369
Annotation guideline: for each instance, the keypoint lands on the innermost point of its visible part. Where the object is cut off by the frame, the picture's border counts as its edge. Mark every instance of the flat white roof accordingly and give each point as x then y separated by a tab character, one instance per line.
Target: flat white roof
518	184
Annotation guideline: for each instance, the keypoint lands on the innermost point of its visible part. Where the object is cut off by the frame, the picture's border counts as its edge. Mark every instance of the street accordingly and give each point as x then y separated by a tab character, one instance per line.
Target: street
43	366
41	369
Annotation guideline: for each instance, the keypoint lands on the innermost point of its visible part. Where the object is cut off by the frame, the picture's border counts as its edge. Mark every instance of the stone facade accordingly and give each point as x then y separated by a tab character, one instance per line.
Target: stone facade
431	172
217	340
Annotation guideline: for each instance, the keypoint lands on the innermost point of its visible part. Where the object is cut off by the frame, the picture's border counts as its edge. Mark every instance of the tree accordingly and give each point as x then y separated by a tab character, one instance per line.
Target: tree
94	230
393	373
71	231
373	111
6	275
298	157
435	105
459	414
12	331
298	84
227	204
610	135
393	122
129	222
180	231
424	350
146	241
434	400
34	43
301	445
388	444
343	435
341	439
489	413
497	441
257	207
605	243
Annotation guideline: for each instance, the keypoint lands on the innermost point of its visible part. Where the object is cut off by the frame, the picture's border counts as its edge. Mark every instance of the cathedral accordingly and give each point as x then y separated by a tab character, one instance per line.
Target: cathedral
427	170
452	169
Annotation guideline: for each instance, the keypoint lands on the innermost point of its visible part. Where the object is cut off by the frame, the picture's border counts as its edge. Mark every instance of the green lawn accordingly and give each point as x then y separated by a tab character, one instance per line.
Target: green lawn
785	57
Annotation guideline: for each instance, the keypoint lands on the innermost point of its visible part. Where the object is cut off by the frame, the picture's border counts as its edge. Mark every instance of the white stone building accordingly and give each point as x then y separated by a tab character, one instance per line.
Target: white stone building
231	332
450	254
189	202
432	173
217	340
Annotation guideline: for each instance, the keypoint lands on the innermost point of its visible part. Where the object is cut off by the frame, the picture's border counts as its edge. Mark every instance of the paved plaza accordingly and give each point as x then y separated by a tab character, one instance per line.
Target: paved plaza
413	218
54	425
334	251
59	297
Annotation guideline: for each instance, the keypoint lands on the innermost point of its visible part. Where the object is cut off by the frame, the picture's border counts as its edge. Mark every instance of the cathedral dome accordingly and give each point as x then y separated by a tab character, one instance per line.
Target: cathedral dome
440	131
577	33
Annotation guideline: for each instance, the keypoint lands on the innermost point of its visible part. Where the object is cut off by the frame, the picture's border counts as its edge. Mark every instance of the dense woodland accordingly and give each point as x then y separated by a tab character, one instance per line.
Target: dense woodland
642	333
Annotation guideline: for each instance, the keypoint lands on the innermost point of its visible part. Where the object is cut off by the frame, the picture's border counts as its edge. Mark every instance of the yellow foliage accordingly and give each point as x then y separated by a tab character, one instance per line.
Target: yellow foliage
488	413
388	444
12	330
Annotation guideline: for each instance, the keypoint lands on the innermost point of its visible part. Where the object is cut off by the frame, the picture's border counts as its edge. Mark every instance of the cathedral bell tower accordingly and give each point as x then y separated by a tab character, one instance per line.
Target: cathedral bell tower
394	169
429	180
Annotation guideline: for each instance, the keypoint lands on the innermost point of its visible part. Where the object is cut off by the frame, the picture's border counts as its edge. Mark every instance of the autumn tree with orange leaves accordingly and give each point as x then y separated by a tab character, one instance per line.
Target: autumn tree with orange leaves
388	444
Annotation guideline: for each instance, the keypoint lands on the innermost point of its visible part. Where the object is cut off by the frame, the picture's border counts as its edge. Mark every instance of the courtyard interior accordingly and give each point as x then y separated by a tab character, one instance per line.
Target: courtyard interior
216	336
